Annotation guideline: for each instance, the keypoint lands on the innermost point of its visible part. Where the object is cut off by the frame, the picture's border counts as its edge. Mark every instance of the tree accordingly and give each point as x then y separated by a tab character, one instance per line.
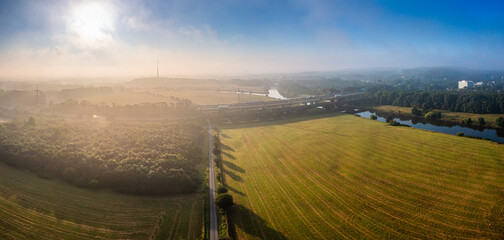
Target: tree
433	115
481	121
31	121
222	189
500	122
469	121
216	151
373	117
415	111
389	118
224	201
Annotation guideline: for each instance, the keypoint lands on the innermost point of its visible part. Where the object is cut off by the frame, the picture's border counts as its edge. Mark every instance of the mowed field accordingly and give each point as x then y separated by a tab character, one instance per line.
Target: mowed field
339	176
35	208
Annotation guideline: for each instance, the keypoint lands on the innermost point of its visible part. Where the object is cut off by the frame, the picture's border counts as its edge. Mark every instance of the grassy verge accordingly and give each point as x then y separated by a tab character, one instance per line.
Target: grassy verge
446	115
338	176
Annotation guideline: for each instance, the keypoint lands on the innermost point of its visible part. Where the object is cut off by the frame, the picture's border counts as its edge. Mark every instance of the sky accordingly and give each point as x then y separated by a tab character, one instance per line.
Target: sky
61	38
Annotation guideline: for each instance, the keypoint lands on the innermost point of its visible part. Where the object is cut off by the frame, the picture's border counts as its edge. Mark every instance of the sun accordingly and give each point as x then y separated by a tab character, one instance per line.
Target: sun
91	21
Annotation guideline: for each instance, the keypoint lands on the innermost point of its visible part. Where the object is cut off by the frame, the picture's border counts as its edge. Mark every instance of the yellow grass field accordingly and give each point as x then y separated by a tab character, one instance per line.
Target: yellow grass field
35	208
338	176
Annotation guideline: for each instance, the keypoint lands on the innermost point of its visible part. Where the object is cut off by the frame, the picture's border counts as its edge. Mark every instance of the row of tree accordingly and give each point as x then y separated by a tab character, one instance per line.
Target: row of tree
470	102
142	158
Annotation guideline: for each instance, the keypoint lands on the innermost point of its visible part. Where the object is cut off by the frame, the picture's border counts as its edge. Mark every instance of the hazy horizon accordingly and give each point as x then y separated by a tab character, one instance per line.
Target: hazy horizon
116	39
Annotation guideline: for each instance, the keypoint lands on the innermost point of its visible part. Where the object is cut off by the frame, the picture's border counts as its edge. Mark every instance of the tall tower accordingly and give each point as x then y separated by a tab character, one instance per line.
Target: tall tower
157	68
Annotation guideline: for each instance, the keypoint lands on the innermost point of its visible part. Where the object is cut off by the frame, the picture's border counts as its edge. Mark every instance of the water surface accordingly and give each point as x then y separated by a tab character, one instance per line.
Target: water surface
496	135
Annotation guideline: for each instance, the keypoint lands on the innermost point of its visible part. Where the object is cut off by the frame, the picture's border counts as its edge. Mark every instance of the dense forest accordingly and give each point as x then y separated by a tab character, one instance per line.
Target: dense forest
131	157
470	102
296	88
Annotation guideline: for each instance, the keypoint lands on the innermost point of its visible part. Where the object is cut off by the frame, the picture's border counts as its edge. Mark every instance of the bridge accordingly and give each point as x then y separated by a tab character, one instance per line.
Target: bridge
324	101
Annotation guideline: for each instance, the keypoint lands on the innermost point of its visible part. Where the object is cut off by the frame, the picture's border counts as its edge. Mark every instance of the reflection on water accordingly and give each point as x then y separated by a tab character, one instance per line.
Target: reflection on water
496	135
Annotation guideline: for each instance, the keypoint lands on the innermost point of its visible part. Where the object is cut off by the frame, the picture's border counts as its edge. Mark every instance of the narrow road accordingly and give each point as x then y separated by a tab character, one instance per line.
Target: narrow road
214	229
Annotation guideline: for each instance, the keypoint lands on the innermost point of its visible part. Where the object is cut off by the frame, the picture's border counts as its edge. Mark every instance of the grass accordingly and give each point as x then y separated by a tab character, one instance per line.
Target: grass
446	115
342	177
35	208
201	97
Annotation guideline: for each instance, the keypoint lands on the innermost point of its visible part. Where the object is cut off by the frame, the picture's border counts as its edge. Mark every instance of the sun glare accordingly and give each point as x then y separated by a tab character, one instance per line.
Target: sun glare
91	21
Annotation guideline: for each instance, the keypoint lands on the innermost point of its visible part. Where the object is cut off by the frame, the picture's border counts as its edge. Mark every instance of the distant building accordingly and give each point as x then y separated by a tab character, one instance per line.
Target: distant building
465	84
478	84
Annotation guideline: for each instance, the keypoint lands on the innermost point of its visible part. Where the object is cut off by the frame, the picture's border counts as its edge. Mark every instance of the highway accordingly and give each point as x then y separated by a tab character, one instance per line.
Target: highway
278	103
214	229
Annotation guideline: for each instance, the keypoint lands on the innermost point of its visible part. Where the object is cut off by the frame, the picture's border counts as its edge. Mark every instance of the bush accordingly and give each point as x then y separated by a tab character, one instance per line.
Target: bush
469	121
222	189
373	117
224	201
500	122
460	134
394	123
389	118
433	115
481	121
416	112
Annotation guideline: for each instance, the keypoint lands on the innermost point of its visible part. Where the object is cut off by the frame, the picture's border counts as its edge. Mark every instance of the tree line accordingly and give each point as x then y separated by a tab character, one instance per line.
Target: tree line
469	102
130	157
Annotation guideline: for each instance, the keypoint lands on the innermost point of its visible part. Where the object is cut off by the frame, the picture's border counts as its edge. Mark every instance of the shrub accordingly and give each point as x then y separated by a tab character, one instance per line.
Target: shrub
389	118
224	201
394	123
222	189
373	117
460	134
416	112
481	121
31	121
468	121
433	115
500	122
216	151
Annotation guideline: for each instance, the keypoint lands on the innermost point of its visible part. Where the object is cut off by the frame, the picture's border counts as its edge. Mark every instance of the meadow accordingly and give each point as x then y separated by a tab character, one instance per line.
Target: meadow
36	208
446	115
338	176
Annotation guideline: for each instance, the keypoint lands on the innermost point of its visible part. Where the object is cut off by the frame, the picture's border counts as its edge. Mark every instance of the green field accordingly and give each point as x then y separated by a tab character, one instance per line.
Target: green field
35	208
446	115
343	177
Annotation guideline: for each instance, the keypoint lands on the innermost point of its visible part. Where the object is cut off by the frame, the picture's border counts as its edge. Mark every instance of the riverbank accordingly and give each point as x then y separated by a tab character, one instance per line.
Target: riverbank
436	125
454	117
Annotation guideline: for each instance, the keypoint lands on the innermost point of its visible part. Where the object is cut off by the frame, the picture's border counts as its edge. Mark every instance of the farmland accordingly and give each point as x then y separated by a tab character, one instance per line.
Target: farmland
338	176
35	208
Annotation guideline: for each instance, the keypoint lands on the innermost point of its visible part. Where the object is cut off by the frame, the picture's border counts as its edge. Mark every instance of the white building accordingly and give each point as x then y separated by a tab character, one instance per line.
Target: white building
465	84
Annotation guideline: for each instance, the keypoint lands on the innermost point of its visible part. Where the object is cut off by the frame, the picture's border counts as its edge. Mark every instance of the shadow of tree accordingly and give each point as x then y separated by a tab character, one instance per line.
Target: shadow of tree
233	166
232	189
228	155
251	223
232	175
226	147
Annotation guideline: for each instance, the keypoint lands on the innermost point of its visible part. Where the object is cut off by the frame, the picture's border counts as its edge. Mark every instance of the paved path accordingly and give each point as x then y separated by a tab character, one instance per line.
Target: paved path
214	229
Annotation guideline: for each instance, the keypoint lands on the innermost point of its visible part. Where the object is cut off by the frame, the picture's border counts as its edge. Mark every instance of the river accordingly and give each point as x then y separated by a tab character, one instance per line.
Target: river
496	135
